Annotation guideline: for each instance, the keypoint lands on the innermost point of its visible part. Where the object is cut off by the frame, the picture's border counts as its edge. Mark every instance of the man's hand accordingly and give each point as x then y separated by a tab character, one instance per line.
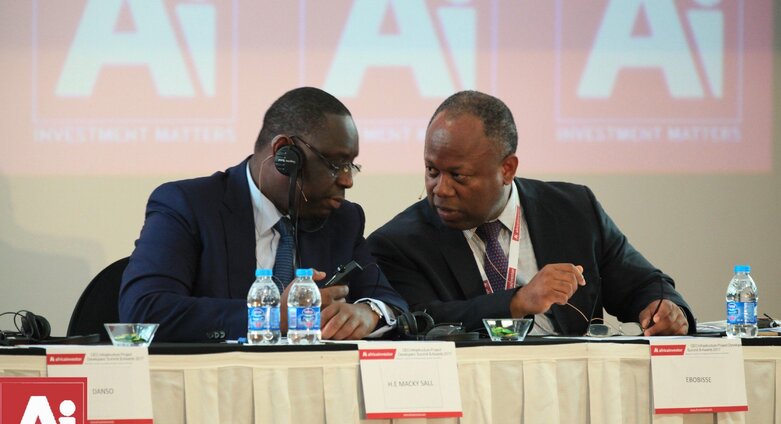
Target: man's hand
333	294
347	321
554	283
669	320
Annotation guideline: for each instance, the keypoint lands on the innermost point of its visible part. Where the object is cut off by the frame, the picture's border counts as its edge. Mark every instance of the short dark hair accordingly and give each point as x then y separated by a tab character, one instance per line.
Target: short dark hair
300	111
498	122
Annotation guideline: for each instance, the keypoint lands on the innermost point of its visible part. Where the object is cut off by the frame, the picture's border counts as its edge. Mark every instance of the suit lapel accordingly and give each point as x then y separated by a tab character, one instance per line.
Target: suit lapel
458	256
546	237
239	225
543	226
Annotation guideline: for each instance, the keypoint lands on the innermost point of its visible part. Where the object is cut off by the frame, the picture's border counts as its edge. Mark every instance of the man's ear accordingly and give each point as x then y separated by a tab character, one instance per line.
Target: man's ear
279	141
288	158
509	168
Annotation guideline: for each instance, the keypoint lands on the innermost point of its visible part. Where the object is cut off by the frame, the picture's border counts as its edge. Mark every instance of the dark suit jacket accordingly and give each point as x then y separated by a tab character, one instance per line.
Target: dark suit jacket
195	259
432	265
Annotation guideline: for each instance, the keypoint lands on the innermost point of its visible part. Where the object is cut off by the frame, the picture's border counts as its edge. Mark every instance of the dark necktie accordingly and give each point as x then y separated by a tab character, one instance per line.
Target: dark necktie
283	263
495	261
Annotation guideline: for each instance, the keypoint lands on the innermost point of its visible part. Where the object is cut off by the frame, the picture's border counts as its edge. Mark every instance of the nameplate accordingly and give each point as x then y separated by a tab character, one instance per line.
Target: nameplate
697	375
118	386
410	380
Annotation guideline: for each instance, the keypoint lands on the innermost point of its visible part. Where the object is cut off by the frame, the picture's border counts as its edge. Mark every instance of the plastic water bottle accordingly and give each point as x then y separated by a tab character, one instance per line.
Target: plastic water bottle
742	304
263	310
303	309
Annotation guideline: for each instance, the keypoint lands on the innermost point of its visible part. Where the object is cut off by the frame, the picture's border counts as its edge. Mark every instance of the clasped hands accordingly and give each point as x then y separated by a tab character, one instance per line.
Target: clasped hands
339	320
557	283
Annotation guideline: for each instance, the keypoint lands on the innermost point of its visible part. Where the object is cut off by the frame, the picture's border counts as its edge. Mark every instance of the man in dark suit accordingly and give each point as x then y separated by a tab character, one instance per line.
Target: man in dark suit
203	238
485	244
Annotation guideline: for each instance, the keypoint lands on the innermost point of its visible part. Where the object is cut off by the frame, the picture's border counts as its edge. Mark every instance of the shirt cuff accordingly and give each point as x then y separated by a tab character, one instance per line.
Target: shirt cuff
387	315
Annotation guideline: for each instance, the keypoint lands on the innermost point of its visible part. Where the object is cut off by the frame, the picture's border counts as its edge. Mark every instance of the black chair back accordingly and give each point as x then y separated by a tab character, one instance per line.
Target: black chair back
99	303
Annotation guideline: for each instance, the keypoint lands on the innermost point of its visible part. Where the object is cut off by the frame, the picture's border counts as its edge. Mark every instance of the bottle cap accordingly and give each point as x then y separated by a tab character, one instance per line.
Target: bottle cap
304	272
742	268
262	272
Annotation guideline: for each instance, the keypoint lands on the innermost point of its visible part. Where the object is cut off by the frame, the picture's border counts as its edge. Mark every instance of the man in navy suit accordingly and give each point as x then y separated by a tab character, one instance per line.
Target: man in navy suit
485	244
203	238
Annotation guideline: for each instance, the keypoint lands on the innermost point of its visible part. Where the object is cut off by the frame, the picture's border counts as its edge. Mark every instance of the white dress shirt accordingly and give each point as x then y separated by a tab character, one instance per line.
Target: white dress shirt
267	239
527	263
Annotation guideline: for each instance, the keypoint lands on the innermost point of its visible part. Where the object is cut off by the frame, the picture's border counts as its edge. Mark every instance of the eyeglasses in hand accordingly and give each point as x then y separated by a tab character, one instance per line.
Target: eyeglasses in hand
605	329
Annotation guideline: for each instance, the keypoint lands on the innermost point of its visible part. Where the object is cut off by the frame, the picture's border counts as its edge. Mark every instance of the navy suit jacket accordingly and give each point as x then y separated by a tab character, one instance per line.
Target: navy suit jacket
195	259
434	269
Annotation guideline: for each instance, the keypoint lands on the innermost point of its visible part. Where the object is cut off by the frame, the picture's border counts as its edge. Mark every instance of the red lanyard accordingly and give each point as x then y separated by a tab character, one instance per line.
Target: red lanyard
512	258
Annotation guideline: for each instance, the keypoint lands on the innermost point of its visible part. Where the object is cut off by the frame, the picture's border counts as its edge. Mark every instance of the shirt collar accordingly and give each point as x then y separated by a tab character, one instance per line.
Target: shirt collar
507	217
265	213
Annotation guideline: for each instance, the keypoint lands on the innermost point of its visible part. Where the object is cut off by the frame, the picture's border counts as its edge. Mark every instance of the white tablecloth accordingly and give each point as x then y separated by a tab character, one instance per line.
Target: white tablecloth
565	383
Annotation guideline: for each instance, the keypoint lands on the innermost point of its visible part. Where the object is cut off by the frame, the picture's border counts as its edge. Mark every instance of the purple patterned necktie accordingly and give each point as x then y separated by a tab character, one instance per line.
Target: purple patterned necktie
495	261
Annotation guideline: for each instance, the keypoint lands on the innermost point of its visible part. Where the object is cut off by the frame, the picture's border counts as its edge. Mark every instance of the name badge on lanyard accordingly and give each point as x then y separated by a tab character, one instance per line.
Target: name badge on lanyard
512	258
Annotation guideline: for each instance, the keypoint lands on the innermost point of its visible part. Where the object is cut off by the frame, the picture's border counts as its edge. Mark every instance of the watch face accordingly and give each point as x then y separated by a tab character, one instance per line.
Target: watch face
375	308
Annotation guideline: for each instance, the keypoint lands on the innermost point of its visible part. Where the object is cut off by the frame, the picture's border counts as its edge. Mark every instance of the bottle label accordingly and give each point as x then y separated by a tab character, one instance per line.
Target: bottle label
750	312
741	313
303	318
273	318
263	318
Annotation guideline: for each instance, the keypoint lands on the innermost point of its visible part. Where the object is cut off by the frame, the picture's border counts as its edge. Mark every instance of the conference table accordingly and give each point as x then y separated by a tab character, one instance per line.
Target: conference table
535	381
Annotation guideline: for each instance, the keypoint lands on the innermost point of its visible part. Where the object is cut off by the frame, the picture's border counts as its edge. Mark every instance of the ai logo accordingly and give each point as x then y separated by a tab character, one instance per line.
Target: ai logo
177	58
648	60
38	410
663	45
151	44
437	44
44	400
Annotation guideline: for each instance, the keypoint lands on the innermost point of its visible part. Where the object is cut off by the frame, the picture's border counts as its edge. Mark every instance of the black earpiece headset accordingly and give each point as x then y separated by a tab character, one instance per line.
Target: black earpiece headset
414	325
35	327
421	326
29	326
289	160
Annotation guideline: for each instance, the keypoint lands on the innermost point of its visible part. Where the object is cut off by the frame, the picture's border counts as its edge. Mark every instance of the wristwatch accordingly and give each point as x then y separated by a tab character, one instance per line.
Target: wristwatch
376	309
